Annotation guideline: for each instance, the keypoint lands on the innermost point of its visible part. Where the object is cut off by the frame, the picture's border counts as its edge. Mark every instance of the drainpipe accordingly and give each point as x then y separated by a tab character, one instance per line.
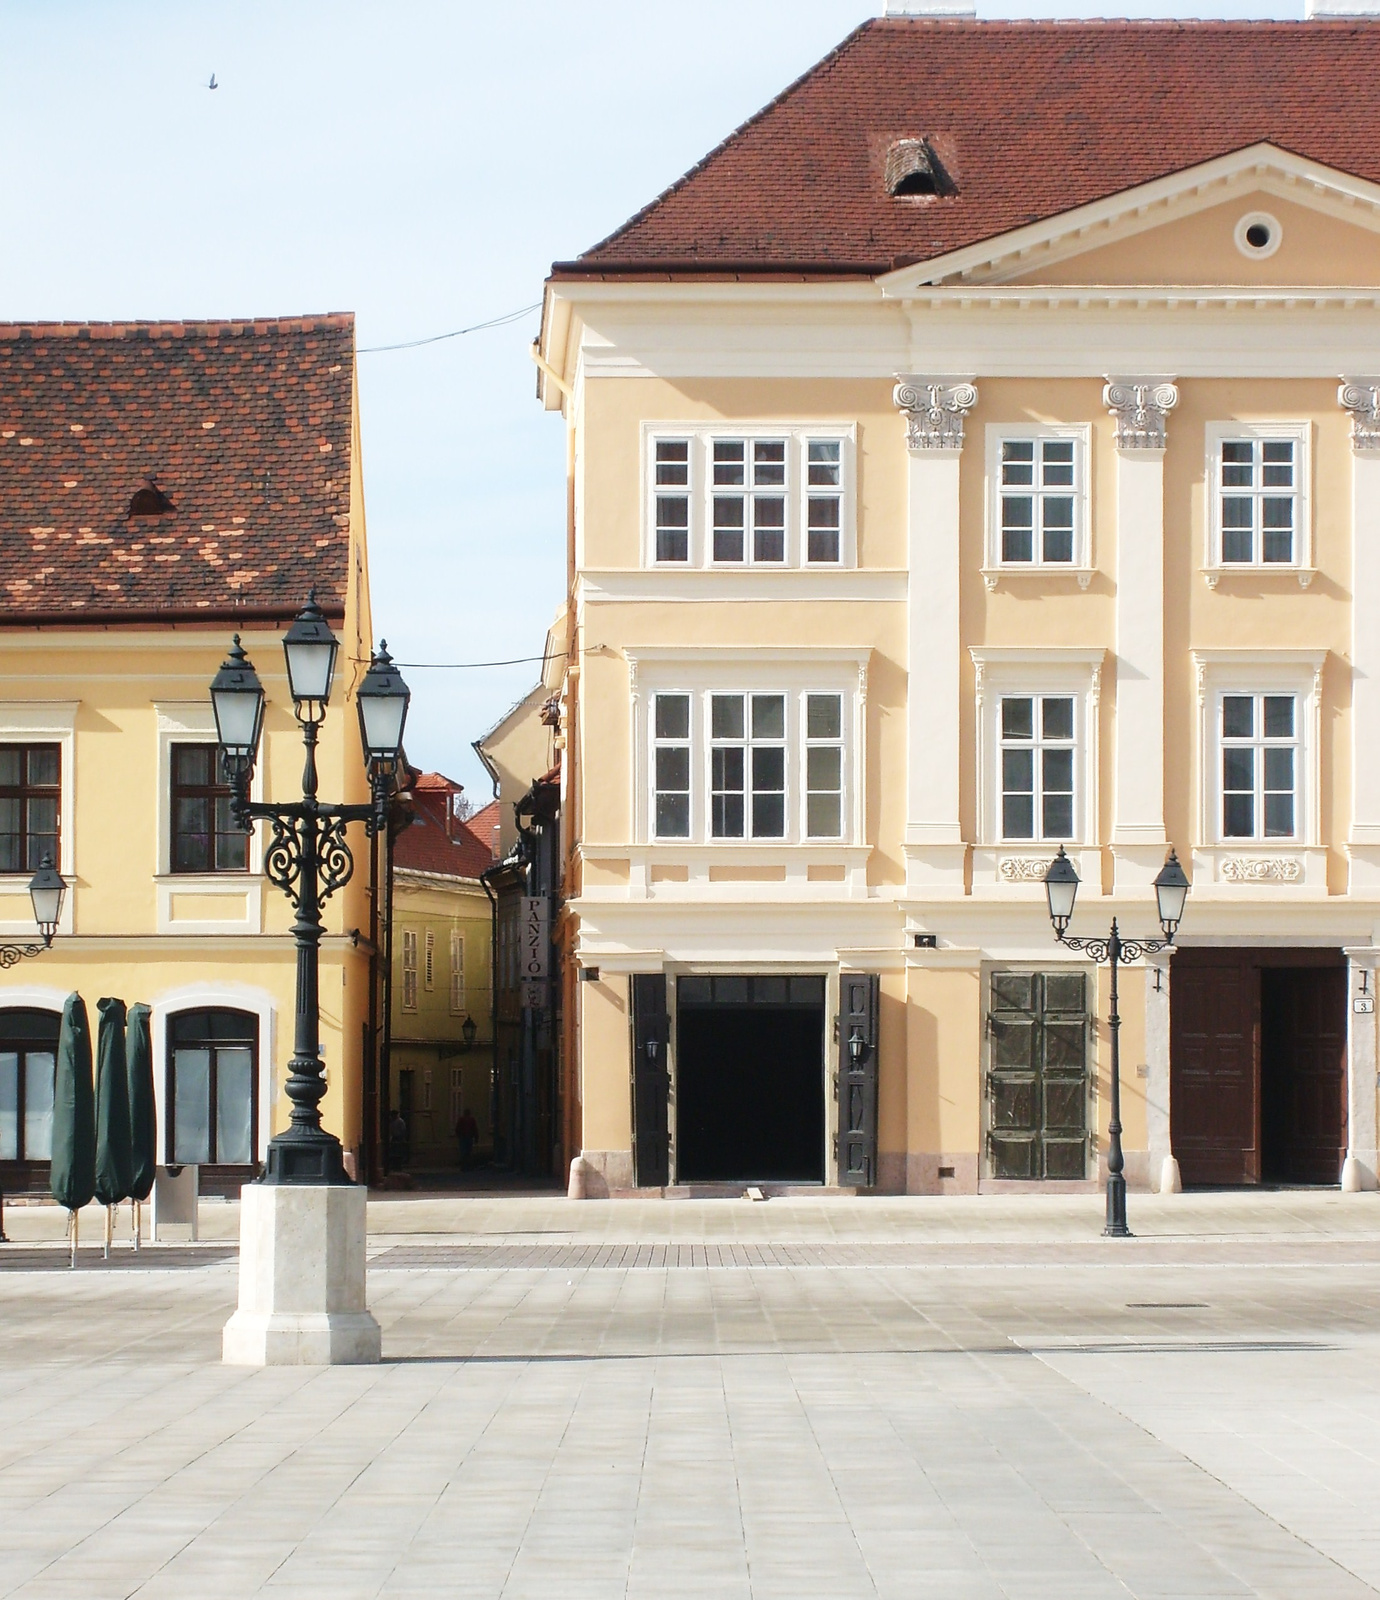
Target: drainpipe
385	1098
493	1005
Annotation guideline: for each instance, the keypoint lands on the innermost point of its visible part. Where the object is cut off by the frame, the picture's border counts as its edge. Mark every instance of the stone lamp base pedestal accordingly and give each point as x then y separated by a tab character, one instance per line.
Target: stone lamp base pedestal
302	1297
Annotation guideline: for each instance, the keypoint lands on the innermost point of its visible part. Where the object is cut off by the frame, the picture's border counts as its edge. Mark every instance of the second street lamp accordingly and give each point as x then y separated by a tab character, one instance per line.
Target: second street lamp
308	857
1061	891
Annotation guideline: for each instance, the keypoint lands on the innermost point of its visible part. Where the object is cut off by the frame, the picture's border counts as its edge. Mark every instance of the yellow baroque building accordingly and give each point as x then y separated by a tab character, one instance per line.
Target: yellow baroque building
960	471
165	486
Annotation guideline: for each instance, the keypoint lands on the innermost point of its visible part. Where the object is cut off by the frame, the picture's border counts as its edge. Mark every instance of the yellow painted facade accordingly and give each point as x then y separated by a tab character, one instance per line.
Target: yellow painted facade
435	1072
926	629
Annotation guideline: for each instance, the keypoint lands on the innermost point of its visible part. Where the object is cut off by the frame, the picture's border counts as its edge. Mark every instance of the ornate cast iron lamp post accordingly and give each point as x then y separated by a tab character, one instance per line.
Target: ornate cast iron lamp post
308	857
47	890
1171	891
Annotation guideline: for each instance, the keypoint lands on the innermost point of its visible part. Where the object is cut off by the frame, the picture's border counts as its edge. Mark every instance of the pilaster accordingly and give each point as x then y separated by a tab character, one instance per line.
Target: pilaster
1141	407
935	409
1359	1170
1361	397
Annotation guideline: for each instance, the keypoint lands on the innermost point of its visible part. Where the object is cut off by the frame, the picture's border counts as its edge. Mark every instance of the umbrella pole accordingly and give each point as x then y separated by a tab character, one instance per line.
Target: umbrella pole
109	1229
136	1211
72	1231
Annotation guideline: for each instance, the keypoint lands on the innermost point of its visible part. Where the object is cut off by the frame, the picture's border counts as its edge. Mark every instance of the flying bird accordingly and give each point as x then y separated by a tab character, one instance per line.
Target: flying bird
213	84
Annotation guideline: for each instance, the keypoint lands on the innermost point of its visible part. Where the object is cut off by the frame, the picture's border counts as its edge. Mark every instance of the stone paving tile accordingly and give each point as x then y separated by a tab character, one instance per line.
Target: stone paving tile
759	1430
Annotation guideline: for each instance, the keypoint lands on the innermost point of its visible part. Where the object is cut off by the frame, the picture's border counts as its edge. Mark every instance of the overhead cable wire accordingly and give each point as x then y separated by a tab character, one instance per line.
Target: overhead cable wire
466	666
455	333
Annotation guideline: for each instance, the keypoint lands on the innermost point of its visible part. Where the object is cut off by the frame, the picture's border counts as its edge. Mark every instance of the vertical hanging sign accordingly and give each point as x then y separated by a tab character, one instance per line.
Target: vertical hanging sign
535	950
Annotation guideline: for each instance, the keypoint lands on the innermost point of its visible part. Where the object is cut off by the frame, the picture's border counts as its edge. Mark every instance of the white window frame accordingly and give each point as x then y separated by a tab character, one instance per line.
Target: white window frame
1081	566
194	723
1259	742
794	674
457	973
409	969
45	722
700	438
1301	567
1227	672
1075	674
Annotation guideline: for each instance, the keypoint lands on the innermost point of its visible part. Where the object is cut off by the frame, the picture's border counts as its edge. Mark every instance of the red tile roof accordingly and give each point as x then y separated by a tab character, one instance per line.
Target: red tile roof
1029	119
485	825
244	426
436	842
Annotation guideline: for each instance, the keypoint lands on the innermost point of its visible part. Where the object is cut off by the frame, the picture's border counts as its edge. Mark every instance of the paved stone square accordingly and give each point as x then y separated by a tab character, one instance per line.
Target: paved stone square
806	1397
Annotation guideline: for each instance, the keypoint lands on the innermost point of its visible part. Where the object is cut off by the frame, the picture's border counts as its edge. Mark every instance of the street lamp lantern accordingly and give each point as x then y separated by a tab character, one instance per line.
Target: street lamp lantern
308	857
237	698
468	1029
383	699
1171	892
310	648
1061	890
47	890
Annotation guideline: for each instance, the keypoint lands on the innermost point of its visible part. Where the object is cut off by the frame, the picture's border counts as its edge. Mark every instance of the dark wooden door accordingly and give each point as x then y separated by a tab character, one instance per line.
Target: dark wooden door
1214	1093
1037	1078
651	1081
859	1009
1303	1074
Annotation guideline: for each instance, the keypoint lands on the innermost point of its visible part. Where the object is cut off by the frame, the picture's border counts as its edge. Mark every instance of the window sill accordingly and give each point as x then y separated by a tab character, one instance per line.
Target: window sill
992	576
1212	576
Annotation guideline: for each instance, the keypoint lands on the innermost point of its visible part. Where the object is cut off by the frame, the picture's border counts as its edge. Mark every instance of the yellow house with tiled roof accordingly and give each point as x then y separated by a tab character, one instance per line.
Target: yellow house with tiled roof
163	486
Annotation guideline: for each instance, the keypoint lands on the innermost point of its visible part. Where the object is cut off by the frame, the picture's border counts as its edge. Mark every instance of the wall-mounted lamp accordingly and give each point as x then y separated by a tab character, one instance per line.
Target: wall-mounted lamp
653	1049
856	1045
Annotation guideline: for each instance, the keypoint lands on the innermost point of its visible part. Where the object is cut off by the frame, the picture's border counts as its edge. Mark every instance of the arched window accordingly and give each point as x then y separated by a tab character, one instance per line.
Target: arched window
212	1103
28	1051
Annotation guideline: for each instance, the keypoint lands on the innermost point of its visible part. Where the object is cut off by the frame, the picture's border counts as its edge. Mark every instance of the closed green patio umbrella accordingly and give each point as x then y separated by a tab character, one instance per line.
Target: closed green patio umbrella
143	1119
114	1153
73	1176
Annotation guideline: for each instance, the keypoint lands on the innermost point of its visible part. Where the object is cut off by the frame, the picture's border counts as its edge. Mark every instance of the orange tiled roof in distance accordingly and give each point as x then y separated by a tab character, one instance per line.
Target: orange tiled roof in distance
437	840
1030	119
245	427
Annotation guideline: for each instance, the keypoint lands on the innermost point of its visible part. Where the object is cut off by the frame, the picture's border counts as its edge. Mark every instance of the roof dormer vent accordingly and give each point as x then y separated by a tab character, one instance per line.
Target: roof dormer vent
913	168
150	501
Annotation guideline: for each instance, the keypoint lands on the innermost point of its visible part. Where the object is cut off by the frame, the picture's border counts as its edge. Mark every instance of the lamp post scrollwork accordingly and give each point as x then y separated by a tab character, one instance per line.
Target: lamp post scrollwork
308	855
1171	891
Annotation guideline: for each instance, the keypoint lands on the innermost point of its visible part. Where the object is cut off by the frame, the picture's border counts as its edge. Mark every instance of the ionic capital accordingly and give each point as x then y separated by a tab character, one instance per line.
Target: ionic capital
1361	397
935	409
1140	406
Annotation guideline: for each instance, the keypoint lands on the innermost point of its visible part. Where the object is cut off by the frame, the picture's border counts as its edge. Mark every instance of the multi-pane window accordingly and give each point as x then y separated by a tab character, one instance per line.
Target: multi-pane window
1260	764
823	766
28	1052
775	499
212	1097
457	973
1037	499
671	766
29	794
1258	502
763	765
823	499
749	500
747	760
1037	761
205	835
409	969
671	473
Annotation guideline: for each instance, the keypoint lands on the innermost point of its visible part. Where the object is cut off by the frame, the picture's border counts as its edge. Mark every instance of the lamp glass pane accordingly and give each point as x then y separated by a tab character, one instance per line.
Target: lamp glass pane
382	716
47	905
1061	893
1171	899
310	669
237	716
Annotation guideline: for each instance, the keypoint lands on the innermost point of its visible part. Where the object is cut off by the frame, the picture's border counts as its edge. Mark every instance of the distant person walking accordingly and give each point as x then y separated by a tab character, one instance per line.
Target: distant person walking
397	1142
466	1132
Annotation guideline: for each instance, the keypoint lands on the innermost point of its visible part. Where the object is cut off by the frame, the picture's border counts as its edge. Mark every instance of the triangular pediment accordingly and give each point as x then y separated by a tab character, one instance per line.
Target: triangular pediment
1187	229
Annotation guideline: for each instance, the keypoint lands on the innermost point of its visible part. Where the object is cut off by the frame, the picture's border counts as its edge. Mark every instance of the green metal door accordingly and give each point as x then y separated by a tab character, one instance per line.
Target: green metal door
1037	1077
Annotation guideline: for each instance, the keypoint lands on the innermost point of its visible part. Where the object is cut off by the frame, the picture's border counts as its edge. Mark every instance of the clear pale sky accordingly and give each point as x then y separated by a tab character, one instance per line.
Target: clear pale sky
417	162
